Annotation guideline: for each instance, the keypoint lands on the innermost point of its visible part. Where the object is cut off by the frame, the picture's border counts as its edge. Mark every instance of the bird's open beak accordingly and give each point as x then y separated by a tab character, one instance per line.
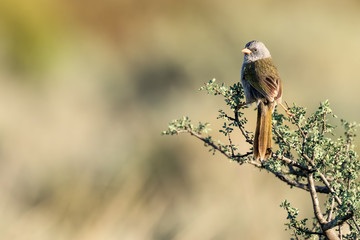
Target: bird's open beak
246	50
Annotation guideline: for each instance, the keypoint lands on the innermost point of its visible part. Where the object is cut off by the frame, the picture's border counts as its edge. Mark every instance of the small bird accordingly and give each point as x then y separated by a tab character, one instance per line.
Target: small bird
262	84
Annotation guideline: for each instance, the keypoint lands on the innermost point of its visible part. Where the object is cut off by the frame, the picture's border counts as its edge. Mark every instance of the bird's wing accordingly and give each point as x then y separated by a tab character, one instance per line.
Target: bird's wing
263	76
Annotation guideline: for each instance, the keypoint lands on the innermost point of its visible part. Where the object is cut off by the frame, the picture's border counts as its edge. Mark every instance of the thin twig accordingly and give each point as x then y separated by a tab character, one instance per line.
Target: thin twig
280	136
220	93
331	210
231	146
247	138
313	228
340	232
296	236
324	124
301	131
210	143
236	119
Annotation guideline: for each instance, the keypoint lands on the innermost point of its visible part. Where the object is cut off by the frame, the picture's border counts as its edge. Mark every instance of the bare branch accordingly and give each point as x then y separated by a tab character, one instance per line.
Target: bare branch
331	209
329	232
338	222
292	162
315	199
256	164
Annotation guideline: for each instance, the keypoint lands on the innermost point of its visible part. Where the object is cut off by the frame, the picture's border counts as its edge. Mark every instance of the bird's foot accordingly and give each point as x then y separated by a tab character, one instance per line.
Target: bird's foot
287	110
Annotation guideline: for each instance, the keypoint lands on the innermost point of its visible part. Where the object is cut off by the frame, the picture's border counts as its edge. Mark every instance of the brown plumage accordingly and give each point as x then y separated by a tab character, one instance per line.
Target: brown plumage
262	84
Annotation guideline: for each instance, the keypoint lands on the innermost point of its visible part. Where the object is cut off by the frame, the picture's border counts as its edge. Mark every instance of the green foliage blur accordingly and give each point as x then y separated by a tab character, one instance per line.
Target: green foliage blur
86	87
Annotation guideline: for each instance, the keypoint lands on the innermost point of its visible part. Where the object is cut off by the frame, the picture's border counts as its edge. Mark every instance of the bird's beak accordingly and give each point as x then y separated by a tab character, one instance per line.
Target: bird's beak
246	50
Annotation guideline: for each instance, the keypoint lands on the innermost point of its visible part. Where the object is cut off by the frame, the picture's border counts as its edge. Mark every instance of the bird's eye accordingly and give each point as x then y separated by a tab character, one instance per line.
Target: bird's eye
255	49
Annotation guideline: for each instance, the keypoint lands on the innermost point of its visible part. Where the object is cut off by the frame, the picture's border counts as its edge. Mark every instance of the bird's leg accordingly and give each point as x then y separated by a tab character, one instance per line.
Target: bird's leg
287	110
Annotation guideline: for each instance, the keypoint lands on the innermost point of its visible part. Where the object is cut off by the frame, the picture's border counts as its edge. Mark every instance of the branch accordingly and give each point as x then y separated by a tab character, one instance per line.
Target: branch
240	126
240	156
231	145
279	175
297	184
289	181
292	163
295	172
279	135
323	179
300	129
299	173
220	93
213	145
295	234
308	231
236	119
340	232
327	184
315	199
329	232
216	147
331	209
313	228
338	222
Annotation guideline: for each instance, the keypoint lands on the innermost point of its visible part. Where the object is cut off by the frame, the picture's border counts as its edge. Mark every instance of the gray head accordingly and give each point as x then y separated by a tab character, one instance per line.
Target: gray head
255	50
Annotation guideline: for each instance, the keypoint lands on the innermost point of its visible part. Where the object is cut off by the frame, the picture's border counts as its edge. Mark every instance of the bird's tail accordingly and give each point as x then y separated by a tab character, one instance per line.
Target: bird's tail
262	140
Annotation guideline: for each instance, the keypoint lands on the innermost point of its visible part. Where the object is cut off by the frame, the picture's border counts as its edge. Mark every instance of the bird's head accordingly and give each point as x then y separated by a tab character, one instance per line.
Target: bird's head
254	51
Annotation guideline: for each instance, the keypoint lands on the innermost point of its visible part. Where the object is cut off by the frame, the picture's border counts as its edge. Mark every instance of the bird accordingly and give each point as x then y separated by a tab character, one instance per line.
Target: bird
262	85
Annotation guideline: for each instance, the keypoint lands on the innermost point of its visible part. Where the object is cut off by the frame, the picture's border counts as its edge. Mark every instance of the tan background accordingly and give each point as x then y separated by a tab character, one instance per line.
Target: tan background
87	86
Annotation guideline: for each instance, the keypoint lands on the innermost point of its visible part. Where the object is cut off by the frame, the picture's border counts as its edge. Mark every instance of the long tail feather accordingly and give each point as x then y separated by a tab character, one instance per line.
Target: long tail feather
262	141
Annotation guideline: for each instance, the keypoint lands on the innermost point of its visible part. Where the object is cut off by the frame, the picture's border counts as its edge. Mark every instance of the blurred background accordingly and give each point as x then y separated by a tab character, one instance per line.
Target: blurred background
87	86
